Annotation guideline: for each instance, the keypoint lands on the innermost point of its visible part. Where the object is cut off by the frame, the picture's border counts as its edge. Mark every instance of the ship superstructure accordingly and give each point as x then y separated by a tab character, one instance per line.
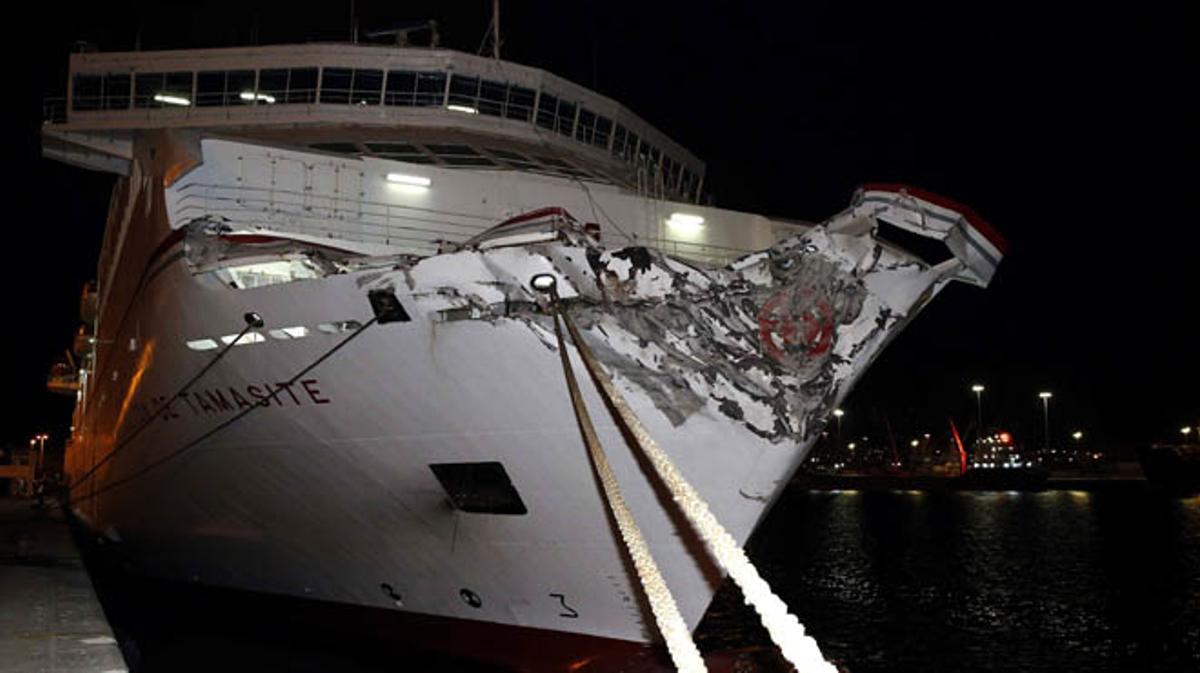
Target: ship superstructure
429	465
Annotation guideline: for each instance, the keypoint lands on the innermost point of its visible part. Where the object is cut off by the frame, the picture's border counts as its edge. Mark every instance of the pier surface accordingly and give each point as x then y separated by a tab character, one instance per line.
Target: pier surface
50	618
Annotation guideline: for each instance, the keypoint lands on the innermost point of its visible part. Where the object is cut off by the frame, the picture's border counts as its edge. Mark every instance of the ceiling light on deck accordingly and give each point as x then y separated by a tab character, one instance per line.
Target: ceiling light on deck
463	108
685	223
413	180
251	96
171	100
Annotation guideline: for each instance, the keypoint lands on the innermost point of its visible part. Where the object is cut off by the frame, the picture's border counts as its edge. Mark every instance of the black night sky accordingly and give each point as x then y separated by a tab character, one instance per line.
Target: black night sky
1063	127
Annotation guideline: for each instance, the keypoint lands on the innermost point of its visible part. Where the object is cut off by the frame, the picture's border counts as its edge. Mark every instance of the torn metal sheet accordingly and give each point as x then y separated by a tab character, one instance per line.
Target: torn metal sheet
772	342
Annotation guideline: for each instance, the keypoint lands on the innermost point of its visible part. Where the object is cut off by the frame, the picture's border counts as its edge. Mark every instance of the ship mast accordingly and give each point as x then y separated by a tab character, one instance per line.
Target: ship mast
496	29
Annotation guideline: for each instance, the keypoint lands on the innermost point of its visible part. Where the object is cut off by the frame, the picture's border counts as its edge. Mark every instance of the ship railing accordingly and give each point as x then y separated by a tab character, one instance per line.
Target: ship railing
329	216
413	228
207	107
54	110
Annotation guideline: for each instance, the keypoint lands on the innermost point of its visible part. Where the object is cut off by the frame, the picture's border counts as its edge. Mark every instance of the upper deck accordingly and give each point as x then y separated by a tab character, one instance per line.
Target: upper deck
419	105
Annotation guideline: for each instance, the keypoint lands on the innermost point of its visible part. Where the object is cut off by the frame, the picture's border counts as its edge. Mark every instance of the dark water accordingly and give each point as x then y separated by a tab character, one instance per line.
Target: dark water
944	581
886	581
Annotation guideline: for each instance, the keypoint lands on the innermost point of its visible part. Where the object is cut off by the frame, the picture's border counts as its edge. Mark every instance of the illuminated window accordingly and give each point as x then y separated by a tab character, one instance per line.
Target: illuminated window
247	338
298	332
338	327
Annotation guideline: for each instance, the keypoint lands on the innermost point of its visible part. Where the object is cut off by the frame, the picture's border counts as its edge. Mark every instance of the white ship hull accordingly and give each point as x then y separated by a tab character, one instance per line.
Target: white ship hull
324	489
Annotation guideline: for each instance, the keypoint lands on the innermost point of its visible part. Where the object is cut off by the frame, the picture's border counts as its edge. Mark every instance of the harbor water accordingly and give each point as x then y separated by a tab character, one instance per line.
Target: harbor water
885	580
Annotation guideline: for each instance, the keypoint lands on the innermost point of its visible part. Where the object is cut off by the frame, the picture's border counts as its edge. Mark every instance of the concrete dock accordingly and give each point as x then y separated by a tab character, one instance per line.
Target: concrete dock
50	618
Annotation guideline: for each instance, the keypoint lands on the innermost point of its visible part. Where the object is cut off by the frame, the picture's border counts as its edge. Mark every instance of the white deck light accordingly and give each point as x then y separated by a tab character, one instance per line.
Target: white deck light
685	223
260	97
414	180
171	100
463	108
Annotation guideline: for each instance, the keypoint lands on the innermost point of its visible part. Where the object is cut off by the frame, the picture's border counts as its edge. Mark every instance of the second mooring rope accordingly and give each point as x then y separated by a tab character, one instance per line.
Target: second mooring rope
783	627
662	604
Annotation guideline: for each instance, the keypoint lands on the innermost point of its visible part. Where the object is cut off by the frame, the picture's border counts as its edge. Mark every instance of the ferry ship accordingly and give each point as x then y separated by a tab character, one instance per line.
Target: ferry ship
312	363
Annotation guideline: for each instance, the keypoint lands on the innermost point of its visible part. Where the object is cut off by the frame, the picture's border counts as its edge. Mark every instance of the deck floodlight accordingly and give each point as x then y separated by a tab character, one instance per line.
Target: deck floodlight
839	413
1045	395
685	223
977	388
169	99
413	180
544	283
252	96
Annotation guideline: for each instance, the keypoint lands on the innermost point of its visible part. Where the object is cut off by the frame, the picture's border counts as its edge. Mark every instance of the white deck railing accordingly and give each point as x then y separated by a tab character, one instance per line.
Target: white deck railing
408	228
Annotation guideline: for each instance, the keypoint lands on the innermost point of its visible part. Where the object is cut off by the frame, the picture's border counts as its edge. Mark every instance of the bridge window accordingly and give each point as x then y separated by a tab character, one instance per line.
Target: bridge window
366	87
239	87
431	88
117	89
464	91
401	88
406	87
520	103
603	128
273	84
566	118
87	92
586	127
162	89
491	97
220	88
302	85
547	109
210	89
618	146
335	85
632	146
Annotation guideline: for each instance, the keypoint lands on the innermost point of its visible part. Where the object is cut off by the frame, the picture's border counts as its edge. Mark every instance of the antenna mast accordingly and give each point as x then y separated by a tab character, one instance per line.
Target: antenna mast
496	29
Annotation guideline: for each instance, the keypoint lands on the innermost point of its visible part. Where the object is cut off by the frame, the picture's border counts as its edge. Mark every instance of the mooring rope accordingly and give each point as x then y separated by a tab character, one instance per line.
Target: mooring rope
157	462
662	604
252	320
783	627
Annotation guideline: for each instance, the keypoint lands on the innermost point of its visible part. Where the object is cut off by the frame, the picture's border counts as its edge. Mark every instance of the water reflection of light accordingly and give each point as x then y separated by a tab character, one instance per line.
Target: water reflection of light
1079	495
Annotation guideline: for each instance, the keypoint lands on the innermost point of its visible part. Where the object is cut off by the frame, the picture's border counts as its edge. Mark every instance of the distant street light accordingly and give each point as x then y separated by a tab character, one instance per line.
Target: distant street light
1077	435
838	413
1046	415
41	441
978	390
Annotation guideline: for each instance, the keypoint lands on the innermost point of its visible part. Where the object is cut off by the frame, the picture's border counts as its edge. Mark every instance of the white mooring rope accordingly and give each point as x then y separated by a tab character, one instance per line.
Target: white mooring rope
784	628
666	613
